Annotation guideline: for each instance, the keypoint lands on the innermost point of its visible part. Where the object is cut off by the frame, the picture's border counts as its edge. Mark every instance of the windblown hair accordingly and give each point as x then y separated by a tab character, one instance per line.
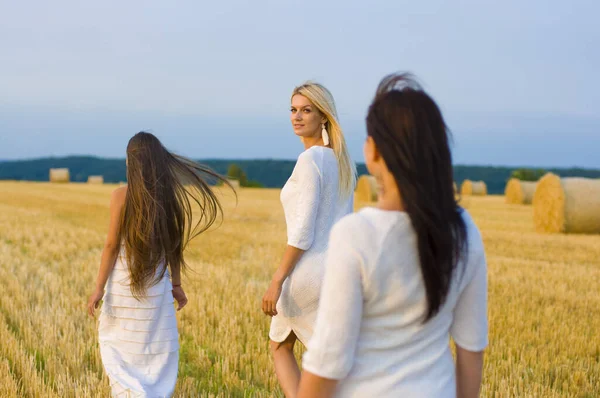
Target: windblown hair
322	98
411	135
156	221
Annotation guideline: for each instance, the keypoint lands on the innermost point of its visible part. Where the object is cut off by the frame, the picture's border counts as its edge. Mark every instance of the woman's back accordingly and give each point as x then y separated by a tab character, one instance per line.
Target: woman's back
140	272
332	206
378	292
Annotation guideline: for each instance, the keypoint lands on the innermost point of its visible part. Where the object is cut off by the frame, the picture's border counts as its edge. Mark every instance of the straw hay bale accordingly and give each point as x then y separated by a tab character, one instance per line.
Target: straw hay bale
570	205
95	180
366	189
477	188
59	175
234	183
519	192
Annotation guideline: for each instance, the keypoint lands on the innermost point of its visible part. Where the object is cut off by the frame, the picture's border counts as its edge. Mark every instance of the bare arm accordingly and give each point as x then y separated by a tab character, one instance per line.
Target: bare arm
291	256
301	230
178	292
111	248
176	275
469	369
111	245
313	386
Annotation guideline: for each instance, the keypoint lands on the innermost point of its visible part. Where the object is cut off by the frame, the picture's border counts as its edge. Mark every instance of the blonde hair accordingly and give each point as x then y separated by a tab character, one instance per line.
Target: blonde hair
322	98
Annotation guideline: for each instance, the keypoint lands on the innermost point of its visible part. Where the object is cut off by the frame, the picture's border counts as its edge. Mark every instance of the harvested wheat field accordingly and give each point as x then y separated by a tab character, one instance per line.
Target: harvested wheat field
544	300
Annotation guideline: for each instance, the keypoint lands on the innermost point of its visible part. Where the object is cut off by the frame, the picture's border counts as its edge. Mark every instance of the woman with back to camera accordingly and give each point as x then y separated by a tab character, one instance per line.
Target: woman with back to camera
140	271
405	275
319	192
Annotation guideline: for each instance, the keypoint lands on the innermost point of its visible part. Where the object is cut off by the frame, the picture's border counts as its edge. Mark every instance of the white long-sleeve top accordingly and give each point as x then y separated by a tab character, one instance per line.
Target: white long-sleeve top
369	332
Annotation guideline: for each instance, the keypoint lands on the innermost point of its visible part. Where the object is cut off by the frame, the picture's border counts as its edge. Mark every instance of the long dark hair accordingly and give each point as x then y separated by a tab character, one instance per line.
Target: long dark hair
411	135
156	221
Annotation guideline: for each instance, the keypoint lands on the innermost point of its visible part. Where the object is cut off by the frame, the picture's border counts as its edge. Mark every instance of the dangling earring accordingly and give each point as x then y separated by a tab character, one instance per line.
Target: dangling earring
325	135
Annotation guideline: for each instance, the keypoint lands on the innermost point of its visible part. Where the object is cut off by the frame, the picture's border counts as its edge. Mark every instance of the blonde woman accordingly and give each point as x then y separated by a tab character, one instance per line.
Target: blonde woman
317	195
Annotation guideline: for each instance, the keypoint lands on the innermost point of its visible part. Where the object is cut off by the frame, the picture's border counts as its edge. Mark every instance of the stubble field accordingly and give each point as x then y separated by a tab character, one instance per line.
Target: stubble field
544	299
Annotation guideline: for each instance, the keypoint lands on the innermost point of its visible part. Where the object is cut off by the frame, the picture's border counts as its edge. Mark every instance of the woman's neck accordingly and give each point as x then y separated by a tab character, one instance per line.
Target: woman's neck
309	142
389	197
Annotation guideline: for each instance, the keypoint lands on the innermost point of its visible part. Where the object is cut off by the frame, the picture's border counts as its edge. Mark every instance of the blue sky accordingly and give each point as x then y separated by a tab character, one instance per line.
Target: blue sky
517	81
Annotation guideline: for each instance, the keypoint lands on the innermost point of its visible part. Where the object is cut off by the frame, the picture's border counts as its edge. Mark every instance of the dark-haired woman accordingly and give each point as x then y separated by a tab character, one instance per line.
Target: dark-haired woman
405	275
140	270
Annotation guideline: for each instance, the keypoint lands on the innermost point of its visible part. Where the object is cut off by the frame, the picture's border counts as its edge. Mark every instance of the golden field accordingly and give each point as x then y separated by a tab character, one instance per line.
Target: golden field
544	298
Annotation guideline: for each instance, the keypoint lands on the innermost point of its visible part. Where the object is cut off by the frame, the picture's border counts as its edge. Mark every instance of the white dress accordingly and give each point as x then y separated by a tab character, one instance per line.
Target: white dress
139	342
369	332
312	205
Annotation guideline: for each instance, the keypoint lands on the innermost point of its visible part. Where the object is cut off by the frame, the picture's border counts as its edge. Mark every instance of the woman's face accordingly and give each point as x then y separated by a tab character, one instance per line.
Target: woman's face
305	117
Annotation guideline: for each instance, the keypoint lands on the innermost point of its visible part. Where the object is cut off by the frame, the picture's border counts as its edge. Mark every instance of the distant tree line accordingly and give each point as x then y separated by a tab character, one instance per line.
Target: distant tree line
255	173
235	172
528	174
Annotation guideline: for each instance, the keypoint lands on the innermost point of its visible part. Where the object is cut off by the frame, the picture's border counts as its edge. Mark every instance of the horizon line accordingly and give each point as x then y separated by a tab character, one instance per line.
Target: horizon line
292	160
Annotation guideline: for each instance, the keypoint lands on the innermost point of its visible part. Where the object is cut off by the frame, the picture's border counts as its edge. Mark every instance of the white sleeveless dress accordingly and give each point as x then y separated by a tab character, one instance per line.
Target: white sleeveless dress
139	340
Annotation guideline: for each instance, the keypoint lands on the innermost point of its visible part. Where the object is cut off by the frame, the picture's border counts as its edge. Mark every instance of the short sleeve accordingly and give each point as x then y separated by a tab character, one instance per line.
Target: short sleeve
331	350
470	324
301	229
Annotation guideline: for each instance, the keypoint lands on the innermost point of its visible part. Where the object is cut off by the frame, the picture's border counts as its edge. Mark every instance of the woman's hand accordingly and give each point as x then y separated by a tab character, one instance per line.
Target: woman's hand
269	301
94	300
180	297
291	256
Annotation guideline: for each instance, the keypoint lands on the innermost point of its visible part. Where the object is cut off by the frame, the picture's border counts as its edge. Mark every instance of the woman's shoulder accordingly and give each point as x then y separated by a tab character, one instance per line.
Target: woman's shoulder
311	153
120	192
368	224
473	234
118	196
318	157
475	247
309	160
315	153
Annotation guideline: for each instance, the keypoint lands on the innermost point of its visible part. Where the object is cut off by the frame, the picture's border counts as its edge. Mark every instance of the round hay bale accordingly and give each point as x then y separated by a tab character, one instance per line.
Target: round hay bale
570	205
366	189
95	180
59	175
519	192
475	188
